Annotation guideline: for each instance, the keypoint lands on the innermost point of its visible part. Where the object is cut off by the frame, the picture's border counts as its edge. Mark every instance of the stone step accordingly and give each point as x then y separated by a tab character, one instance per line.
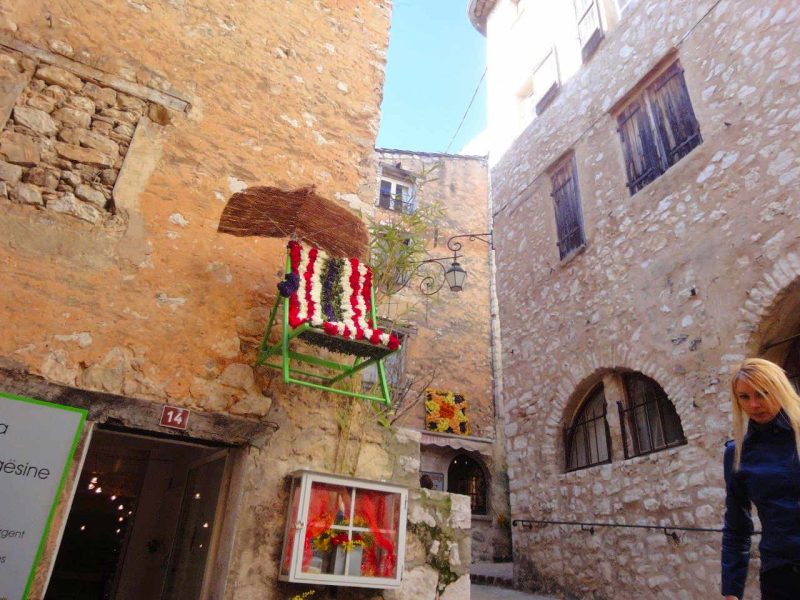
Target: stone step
495	580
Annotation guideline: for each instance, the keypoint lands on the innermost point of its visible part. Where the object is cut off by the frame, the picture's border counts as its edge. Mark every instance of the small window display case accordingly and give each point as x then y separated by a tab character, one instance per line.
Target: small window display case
344	531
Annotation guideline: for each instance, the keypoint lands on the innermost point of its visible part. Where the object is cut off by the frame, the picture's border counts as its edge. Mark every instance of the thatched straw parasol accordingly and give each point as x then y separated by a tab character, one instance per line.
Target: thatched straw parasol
299	214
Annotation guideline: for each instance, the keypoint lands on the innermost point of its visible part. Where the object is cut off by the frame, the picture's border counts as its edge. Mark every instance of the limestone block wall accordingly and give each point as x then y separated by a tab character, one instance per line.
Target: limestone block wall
679	282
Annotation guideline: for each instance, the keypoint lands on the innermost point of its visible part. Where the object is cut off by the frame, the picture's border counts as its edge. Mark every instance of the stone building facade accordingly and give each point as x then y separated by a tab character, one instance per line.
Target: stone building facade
123	133
448	343
627	263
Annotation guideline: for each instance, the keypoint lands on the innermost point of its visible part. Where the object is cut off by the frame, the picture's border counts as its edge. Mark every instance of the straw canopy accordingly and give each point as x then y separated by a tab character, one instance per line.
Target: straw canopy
298	214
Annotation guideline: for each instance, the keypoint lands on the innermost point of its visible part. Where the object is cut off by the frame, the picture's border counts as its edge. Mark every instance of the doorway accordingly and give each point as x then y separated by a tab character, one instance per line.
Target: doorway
144	521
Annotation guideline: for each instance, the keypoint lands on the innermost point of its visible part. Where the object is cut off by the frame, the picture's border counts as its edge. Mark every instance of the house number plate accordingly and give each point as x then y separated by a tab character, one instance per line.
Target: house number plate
174	417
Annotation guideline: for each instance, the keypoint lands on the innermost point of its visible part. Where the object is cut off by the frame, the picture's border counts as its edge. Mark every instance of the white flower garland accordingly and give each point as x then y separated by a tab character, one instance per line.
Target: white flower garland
302	304
316	289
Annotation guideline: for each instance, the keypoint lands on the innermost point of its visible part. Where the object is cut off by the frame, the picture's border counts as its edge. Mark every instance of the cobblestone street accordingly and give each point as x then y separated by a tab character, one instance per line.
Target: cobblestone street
500	575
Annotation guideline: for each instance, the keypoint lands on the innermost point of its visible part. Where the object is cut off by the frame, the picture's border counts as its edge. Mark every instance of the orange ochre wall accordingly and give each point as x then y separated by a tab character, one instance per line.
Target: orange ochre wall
158	304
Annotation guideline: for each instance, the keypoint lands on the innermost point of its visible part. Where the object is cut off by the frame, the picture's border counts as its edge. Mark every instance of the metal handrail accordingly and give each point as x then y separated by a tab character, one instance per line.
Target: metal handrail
669	530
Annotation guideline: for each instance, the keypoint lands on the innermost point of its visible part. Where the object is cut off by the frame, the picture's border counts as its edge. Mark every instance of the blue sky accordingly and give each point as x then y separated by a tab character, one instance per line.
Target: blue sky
436	58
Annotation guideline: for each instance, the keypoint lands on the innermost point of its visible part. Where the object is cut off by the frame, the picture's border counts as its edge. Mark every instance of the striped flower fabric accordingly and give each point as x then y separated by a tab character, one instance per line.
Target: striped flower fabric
332	293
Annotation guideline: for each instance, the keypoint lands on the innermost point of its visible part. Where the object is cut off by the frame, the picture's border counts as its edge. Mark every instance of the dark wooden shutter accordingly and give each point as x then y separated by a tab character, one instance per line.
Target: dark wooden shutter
642	162
677	125
567	203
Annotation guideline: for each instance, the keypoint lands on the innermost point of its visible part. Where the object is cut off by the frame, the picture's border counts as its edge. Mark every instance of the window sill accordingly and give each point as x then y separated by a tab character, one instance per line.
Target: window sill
669	450
583	468
591	45
547	99
570	256
486	518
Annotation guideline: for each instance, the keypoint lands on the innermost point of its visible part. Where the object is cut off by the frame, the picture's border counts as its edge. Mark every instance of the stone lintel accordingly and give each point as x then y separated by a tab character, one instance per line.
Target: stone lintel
137	414
86	72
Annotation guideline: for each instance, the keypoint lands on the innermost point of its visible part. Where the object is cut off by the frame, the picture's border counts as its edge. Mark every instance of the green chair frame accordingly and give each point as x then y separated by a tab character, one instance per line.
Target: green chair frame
365	353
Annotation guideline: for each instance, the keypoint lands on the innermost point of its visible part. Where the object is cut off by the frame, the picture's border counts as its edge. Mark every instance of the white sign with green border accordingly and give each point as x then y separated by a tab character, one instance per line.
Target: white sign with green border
37	442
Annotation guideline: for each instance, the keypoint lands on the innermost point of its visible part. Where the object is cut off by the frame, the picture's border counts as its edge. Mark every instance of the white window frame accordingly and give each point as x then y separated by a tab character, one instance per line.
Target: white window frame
304	480
543	85
393	195
590	44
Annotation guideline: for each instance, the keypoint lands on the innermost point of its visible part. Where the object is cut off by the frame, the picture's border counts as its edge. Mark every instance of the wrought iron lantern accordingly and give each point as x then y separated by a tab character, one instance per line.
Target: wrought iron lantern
455	277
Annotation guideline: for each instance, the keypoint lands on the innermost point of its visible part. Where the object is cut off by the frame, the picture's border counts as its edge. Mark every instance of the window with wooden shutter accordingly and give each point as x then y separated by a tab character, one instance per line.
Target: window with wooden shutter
567	204
657	128
642	161
673	114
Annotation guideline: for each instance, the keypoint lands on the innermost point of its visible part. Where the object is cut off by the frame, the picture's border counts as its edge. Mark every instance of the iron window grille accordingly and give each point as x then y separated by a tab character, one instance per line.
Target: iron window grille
465	476
587	440
650	421
657	128
567	205
590	31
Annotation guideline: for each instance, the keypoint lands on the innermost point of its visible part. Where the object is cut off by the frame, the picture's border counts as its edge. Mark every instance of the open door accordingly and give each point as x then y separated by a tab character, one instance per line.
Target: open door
144	522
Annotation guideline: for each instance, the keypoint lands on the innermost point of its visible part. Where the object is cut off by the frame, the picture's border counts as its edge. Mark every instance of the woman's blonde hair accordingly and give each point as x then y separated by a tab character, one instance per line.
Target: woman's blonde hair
770	380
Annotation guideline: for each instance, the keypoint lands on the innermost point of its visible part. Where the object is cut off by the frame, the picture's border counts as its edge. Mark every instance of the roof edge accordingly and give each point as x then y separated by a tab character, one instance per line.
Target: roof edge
478	12
421	153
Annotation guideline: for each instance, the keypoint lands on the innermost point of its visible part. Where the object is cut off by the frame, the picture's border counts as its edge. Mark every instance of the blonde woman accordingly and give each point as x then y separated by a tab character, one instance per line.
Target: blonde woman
762	468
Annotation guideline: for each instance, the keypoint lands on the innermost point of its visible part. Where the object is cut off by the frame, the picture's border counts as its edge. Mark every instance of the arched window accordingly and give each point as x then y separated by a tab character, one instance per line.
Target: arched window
792	363
649	421
587	439
465	476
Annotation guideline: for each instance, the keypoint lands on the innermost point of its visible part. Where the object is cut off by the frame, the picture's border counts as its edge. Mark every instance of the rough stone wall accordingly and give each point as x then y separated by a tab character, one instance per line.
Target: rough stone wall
64	146
678	282
144	298
437	548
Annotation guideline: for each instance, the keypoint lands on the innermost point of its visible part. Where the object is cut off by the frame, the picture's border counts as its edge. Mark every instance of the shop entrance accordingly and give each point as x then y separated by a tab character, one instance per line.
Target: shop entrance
144	522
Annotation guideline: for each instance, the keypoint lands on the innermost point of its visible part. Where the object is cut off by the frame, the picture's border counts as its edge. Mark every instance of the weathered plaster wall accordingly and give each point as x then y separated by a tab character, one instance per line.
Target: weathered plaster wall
451	330
145	299
449	344
266	105
679	282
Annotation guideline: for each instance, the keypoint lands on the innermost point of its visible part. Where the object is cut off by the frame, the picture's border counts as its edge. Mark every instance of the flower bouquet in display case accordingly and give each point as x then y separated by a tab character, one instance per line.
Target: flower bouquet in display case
344	531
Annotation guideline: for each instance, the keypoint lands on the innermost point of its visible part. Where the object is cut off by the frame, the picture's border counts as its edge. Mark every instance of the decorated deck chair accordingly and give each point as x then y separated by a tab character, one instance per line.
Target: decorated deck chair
327	302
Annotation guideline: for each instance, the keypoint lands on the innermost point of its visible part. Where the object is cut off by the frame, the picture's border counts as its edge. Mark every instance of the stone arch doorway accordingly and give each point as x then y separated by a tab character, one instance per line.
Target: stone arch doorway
467	476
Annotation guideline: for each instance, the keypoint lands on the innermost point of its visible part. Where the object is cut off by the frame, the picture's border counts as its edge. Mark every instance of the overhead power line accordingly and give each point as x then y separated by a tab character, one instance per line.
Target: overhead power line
475	93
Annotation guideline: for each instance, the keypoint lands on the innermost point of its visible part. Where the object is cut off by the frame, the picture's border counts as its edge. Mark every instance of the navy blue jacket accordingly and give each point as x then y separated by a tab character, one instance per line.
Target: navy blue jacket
769	477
